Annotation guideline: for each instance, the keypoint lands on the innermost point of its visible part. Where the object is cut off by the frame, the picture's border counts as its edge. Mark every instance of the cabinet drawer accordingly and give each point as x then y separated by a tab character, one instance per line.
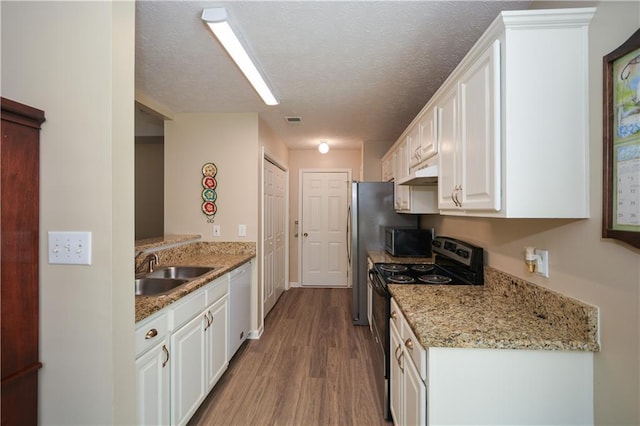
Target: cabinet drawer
151	332
217	288
414	350
186	309
396	317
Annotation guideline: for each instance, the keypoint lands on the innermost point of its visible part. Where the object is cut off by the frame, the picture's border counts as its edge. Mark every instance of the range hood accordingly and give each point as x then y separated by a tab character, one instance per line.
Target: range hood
427	175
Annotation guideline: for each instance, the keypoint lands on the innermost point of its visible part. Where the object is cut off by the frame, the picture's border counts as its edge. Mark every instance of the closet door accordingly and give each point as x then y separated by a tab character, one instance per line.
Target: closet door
274	251
19	234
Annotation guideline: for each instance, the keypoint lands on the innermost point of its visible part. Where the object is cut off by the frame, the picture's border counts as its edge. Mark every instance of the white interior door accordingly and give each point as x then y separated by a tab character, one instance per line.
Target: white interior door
274	248
324	226
279	221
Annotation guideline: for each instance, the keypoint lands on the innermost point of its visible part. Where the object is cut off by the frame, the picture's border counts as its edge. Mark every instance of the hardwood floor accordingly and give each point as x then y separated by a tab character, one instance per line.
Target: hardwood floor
311	366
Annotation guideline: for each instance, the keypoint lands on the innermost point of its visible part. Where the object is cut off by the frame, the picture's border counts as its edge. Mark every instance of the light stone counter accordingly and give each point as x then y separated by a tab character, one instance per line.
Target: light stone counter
384	257
149	243
506	313
226	256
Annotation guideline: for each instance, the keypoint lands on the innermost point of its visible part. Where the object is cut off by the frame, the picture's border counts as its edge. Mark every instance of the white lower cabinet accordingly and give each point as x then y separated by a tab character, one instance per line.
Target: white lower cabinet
181	354
188	380
396	382
216	342
152	373
486	386
408	373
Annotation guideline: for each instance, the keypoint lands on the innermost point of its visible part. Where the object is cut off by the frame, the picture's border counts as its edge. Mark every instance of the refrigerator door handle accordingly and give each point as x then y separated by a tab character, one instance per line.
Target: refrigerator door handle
347	234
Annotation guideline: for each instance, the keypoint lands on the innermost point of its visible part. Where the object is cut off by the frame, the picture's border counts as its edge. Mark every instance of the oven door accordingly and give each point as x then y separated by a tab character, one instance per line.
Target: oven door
380	306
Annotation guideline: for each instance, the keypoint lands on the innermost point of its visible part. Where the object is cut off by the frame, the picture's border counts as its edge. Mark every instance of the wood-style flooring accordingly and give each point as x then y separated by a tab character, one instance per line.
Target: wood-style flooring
311	366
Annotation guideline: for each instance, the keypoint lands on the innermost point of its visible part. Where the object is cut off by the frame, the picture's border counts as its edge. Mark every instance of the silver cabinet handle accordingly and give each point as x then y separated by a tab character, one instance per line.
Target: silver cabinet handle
151	334
166	352
454	195
409	343
206	318
395	354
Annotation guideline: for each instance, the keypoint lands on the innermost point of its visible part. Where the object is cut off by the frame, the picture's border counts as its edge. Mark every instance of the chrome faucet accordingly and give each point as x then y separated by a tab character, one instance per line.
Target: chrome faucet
151	260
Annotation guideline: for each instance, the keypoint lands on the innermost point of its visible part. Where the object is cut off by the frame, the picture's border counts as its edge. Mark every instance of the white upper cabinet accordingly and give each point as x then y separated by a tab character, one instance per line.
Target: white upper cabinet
470	137
428	135
522	143
512	120
449	163
387	168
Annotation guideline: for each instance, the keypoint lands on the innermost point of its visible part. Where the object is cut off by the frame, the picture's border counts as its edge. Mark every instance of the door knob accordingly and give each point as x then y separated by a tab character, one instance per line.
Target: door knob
305	235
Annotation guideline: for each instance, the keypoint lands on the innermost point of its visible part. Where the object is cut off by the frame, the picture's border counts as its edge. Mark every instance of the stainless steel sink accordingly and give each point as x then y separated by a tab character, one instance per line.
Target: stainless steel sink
180	272
153	286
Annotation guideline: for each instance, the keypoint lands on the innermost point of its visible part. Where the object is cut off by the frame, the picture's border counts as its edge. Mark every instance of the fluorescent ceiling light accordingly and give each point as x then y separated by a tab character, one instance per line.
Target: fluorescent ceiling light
216	19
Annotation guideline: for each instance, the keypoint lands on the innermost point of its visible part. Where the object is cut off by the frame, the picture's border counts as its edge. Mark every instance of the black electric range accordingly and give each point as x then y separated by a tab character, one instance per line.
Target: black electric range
456	263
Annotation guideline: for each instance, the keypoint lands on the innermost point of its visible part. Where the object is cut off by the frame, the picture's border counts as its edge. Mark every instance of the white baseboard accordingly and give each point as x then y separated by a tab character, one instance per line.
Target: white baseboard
255	334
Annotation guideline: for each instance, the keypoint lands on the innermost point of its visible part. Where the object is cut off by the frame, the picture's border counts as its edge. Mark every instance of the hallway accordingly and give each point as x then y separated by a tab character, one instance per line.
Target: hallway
310	367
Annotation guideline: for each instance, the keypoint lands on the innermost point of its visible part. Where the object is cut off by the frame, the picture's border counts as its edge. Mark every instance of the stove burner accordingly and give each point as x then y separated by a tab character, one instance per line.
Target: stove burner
434	279
393	267
401	279
427	267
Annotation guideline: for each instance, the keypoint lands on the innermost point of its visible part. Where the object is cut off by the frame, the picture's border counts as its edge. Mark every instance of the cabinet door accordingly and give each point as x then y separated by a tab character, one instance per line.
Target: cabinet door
188	370
414	146
387	169
428	134
402	192
152	381
415	395
447	142
217	340
479	94
396	379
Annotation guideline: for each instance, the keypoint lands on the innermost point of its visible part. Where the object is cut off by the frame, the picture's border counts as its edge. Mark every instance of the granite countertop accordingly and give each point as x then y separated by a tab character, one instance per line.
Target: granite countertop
384	257
505	313
224	256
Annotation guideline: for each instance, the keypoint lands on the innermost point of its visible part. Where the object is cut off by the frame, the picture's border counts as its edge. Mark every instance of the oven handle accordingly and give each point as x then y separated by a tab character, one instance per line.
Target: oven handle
376	283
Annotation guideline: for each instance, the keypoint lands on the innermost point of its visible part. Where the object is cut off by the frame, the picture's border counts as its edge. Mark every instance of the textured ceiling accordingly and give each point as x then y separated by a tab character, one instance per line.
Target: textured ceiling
353	71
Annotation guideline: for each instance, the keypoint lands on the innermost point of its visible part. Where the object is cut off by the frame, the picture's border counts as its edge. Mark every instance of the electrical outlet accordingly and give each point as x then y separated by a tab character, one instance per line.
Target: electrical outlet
216	230
543	263
242	230
70	248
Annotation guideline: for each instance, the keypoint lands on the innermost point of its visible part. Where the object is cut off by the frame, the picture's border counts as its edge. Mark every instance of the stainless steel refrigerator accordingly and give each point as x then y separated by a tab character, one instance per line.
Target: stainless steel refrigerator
371	210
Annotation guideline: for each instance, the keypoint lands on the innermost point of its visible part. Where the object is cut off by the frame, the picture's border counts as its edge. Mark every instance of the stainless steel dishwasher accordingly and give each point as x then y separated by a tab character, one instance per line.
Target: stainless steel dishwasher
239	306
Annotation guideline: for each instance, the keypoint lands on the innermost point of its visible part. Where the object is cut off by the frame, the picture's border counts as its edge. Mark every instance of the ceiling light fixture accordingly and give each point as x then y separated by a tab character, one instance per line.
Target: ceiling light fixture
323	147
216	19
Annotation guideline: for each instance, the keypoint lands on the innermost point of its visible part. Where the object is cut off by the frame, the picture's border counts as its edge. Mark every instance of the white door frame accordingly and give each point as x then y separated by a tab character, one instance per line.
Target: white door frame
300	225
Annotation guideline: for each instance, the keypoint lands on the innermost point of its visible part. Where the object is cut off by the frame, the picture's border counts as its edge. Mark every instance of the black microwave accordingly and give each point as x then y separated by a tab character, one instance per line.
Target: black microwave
408	242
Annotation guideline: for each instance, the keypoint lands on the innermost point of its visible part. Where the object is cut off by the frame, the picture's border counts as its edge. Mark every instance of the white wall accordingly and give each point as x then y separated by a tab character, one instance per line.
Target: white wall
75	61
372	153
604	273
274	148
231	142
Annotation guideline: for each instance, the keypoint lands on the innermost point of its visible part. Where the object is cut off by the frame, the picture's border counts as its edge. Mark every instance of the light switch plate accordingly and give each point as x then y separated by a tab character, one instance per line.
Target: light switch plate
242	230
69	248
216	230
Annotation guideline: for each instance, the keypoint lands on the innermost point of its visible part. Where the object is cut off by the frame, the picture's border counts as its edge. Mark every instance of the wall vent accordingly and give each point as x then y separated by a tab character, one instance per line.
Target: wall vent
293	120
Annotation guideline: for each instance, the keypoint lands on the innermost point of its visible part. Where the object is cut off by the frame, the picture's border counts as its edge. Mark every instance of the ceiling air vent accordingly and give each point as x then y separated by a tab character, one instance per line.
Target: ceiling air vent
293	120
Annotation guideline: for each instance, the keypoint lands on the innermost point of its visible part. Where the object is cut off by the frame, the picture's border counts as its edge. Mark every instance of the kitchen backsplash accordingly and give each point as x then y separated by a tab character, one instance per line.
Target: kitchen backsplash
546	304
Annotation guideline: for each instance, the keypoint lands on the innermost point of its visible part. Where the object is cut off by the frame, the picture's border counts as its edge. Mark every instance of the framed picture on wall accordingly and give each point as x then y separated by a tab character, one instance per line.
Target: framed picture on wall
621	113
